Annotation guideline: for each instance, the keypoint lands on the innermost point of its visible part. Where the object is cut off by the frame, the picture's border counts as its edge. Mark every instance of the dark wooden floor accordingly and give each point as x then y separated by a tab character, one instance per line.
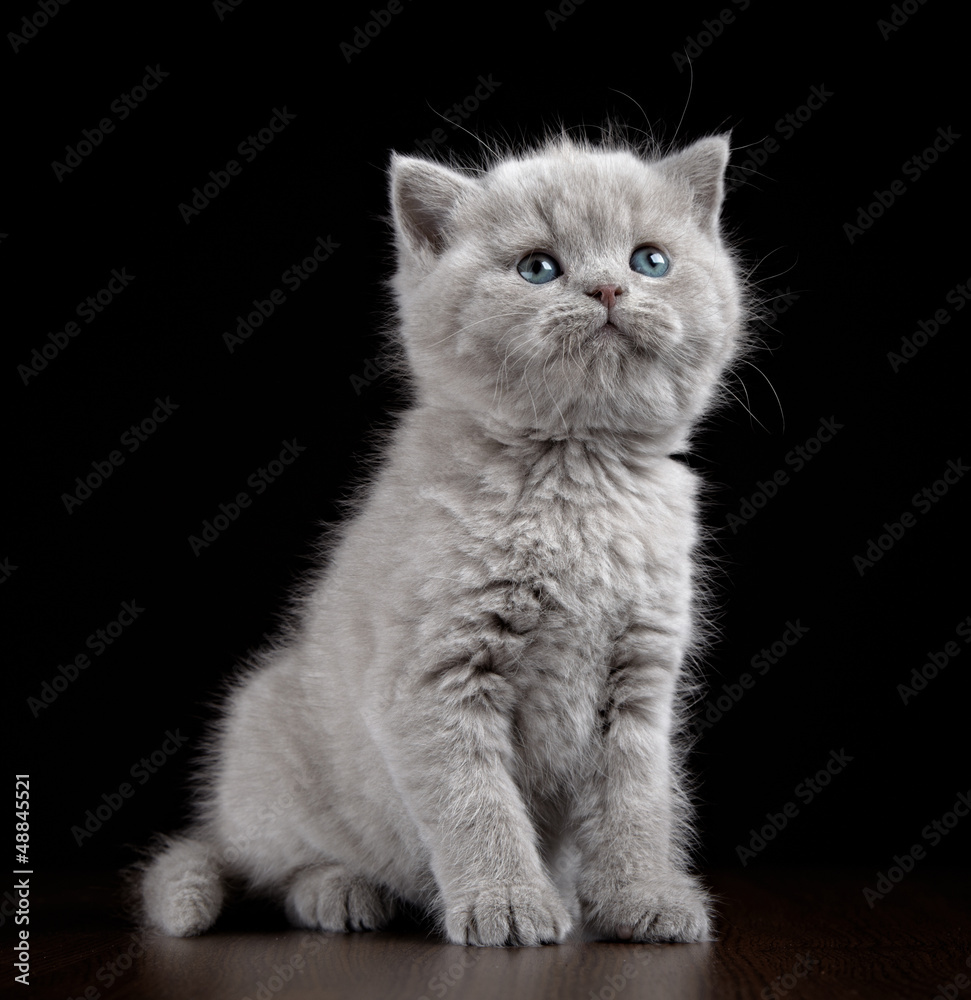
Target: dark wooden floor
808	935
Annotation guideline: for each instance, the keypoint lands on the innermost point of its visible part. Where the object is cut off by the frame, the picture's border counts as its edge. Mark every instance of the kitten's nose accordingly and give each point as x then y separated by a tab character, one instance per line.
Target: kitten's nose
607	294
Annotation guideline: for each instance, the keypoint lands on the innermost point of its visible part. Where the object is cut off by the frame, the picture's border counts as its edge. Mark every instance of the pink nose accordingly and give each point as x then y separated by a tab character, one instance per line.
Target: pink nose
607	294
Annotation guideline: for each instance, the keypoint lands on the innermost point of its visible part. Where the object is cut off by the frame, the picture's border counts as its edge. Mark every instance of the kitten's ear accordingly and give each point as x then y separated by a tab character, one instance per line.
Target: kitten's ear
423	195
702	165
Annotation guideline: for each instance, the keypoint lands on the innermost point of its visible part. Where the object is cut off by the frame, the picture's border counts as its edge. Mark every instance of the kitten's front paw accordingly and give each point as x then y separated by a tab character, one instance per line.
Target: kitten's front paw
329	897
663	908
517	914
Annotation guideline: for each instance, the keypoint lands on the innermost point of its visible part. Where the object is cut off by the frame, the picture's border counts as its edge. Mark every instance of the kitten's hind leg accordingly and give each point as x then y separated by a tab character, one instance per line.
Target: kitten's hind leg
330	897
182	888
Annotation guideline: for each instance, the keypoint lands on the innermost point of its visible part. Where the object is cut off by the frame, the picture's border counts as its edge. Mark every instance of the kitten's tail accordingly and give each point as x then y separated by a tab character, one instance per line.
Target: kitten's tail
181	889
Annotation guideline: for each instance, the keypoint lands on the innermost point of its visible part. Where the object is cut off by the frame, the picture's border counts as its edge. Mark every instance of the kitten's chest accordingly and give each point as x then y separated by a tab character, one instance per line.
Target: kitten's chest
575	565
574	577
574	556
552	563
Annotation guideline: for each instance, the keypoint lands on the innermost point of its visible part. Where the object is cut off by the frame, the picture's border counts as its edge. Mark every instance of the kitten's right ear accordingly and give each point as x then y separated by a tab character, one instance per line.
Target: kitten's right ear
423	196
702	165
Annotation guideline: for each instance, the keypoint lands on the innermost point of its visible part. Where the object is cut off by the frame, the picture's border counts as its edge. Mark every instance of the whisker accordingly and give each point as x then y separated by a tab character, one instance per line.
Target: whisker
771	386
468	326
759	263
455	124
743	406
687	101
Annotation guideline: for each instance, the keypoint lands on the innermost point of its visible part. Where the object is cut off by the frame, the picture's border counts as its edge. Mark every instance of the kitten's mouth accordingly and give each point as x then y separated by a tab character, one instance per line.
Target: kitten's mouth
608	339
610	331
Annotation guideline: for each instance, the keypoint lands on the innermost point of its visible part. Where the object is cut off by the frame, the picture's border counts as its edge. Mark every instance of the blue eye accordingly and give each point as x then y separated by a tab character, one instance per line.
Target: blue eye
538	268
650	261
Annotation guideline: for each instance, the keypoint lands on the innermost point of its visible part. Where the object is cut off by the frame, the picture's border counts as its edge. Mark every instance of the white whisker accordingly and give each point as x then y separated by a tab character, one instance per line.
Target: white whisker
468	326
768	382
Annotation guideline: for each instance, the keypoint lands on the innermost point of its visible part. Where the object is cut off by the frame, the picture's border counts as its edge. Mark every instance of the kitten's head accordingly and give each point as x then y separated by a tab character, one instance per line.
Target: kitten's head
572	290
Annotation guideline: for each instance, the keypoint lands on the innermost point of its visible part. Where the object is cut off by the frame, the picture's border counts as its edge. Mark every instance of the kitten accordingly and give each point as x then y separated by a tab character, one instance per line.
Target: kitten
485	680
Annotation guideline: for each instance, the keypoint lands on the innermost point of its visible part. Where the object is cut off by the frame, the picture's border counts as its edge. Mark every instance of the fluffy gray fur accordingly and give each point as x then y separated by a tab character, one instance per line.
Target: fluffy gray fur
478	711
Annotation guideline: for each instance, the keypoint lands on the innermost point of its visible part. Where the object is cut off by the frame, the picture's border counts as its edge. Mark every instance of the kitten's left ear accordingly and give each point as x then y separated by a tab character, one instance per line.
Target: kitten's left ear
423	195
703	165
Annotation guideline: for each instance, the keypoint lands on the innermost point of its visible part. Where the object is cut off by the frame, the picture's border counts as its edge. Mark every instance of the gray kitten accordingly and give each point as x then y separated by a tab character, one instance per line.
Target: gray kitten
481	696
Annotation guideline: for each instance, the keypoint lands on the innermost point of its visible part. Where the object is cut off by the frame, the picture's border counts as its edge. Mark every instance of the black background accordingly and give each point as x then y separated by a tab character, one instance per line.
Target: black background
849	303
